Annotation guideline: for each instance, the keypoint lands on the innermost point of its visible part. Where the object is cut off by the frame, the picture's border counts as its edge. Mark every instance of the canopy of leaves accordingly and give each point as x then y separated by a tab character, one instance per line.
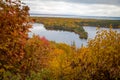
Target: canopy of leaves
14	27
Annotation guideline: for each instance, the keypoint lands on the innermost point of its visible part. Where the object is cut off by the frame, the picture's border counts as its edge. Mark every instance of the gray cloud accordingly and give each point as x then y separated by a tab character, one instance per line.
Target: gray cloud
75	7
111	2
107	2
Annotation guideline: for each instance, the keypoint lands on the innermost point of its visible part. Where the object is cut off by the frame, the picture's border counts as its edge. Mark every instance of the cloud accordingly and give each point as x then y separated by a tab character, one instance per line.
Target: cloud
75	7
111	2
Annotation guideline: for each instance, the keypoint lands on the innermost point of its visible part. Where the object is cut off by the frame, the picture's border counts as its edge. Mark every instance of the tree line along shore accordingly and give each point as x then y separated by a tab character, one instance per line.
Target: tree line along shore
74	24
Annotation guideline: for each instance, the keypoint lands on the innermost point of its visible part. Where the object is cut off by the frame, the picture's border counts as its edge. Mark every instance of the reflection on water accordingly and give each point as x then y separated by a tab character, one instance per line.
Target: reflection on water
62	36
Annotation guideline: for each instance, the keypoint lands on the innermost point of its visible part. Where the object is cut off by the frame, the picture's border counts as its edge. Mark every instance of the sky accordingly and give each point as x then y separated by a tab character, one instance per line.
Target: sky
75	7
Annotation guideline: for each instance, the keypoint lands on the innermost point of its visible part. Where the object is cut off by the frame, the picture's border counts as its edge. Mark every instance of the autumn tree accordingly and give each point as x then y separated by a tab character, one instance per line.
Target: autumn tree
100	60
36	57
14	27
105	55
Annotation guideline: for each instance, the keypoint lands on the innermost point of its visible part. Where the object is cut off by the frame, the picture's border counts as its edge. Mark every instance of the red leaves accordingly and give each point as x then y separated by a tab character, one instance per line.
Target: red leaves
44	40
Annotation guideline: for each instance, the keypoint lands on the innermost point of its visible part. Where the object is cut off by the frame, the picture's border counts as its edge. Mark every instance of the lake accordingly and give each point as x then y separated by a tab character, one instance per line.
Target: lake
64	36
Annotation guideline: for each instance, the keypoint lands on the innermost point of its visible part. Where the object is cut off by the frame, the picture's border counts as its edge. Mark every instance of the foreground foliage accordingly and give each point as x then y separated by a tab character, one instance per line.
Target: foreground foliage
14	25
36	58
52	61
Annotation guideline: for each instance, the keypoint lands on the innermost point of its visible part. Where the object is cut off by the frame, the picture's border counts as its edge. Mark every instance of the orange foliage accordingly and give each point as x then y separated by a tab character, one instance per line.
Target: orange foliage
14	27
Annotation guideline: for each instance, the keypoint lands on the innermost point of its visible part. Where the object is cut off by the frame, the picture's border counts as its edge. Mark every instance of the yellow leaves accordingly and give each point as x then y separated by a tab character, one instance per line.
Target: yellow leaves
58	51
8	66
105	50
2	70
58	55
59	63
56	60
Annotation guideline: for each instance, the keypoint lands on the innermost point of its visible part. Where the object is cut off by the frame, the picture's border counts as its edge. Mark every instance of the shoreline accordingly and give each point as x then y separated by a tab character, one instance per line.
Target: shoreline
74	24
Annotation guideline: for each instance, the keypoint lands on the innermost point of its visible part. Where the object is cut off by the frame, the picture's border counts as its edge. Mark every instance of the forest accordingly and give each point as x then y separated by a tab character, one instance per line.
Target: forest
36	58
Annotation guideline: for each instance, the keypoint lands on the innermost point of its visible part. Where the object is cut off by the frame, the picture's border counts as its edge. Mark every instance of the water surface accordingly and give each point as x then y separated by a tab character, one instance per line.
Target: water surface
63	36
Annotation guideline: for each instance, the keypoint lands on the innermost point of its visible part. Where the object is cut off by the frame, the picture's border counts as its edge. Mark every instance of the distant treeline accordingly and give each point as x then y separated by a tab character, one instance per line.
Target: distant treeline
100	23
86	22
75	24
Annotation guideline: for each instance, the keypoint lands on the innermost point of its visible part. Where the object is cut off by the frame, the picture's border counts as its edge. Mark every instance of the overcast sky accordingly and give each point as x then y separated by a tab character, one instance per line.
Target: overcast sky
75	7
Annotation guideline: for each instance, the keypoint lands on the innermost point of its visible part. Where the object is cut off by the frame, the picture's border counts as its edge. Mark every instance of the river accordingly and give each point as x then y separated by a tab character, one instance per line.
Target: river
64	36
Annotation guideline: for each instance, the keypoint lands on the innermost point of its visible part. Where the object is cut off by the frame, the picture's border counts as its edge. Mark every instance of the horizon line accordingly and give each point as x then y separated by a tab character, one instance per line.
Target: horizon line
73	15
